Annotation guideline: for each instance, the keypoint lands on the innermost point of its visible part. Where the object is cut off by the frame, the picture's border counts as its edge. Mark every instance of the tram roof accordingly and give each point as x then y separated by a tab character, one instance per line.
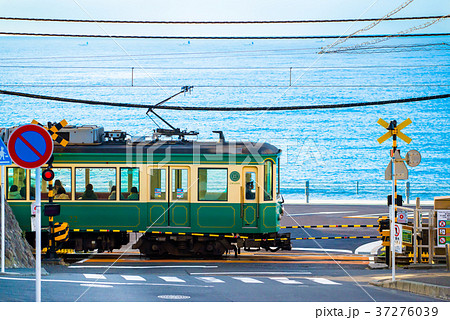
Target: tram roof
175	147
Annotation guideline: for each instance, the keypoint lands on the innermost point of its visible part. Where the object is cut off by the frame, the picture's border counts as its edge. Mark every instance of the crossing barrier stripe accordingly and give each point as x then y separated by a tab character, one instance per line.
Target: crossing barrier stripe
334	226
344	237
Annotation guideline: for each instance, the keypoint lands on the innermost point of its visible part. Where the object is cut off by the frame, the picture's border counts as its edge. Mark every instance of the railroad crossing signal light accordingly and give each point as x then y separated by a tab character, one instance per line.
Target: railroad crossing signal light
394	129
48	175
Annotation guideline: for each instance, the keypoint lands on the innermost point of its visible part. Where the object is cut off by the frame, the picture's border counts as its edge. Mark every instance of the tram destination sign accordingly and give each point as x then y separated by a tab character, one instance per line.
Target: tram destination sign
30	146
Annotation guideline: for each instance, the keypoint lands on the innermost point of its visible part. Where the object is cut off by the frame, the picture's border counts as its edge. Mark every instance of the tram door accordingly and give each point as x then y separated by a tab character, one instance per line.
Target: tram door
179	205
250	198
158	205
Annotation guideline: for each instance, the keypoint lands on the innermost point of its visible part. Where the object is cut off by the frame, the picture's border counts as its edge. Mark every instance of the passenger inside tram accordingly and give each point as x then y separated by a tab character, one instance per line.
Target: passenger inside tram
134	194
14	193
89	194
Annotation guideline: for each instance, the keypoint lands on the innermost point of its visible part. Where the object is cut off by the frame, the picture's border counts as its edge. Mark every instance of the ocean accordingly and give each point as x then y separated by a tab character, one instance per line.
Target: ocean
335	150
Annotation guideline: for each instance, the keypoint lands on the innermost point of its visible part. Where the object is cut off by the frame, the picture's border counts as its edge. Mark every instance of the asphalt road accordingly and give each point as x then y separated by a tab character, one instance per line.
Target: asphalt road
304	275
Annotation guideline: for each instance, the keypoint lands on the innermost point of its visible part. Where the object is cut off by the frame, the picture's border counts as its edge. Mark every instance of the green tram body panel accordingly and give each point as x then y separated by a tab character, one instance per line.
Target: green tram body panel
140	216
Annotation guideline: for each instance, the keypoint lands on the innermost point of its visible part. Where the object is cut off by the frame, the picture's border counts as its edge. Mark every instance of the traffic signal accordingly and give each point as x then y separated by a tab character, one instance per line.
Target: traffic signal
384	230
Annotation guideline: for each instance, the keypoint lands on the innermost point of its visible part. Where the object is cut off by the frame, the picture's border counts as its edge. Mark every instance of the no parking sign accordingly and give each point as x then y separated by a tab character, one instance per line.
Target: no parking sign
30	146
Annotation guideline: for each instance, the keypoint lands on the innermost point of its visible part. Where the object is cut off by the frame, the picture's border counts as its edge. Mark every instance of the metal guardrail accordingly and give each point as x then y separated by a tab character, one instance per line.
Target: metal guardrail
359	188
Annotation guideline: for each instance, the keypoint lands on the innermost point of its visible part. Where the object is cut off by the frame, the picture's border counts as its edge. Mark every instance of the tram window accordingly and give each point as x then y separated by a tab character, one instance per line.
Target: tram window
94	183
16	183
129	183
62	184
180	184
250	185
268	181
213	184
158	184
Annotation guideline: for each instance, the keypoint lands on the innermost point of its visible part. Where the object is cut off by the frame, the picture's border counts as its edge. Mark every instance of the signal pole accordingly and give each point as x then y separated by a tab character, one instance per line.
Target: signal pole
395	171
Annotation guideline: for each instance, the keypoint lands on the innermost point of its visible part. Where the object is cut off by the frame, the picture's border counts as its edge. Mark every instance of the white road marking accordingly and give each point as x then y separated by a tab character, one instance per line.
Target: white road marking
108	283
210	280
247	280
139	267
248	273
93	276
369	248
323	281
133	278
321	213
96	285
81	261
322	249
285	280
171	279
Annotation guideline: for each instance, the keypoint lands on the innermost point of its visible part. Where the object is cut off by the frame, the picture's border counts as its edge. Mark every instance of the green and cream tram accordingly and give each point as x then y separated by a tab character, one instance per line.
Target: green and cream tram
185	197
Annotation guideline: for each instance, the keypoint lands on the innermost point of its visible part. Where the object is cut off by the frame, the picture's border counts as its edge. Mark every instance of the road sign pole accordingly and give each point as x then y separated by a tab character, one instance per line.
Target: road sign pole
38	234
392	217
3	220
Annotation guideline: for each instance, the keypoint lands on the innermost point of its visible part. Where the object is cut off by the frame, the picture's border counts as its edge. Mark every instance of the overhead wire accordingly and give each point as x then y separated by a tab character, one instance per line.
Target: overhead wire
204	54
52	85
378	40
370	26
68	35
227	109
215	22
231	68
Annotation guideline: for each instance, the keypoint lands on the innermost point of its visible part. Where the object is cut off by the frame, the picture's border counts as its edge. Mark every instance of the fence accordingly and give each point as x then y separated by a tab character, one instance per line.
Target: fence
363	190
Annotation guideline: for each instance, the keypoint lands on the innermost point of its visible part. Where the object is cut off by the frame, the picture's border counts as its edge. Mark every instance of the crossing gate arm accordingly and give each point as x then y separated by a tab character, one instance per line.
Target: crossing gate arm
334	226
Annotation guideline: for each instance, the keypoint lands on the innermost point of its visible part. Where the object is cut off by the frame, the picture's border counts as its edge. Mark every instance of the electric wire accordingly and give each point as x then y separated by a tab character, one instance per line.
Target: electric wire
377	40
232	68
215	22
258	108
370	26
68	35
191	55
213	86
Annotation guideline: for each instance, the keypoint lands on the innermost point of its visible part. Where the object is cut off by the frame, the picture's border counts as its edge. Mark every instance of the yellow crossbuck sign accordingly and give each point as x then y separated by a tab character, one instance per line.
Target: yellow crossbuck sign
394	130
53	131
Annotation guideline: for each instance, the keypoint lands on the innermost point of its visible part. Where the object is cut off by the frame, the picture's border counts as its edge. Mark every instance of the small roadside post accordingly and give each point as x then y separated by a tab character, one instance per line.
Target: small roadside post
31	146
5	160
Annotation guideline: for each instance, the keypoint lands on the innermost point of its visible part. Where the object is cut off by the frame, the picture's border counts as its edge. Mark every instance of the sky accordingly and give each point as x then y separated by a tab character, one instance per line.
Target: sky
216	10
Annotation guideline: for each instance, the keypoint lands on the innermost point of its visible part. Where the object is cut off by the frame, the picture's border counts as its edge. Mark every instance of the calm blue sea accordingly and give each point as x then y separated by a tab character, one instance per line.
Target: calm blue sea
332	149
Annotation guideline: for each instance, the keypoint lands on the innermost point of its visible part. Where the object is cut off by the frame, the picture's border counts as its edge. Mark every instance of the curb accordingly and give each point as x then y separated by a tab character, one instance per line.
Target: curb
23	272
430	290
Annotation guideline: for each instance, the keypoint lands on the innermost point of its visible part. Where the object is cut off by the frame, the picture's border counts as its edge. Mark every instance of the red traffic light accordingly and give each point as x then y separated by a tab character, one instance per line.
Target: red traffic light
48	175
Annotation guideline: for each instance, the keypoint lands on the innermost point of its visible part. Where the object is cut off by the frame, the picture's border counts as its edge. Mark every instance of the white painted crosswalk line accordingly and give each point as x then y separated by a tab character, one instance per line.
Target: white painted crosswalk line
171	279
93	276
133	278
323	281
247	280
210	280
285	280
